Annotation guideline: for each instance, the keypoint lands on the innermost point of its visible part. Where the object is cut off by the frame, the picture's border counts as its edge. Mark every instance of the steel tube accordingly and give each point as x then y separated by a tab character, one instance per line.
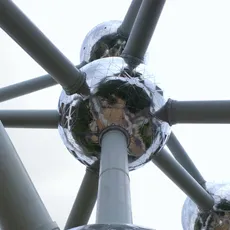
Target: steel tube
172	169
85	201
30	118
127	24
195	112
26	87
114	201
183	158
29	86
142	31
18	26
20	205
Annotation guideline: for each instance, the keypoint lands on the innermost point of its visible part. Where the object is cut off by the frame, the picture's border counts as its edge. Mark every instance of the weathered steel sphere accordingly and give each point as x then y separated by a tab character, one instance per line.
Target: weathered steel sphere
118	97
216	219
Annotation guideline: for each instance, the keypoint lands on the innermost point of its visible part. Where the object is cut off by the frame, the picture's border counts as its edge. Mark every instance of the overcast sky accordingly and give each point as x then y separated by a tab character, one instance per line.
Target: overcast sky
189	56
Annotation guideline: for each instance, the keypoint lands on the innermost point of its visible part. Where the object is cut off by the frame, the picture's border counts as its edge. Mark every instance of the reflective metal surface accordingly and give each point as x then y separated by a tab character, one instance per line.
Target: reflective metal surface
217	219
110	227
118	97
107	30
104	41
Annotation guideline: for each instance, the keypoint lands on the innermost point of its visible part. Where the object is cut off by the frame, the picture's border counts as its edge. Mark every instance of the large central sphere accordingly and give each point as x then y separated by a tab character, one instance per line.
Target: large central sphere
118	97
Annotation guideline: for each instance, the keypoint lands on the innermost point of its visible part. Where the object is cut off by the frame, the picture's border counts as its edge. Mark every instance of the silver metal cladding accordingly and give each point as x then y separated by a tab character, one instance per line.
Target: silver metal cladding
216	219
118	97
104	41
108	28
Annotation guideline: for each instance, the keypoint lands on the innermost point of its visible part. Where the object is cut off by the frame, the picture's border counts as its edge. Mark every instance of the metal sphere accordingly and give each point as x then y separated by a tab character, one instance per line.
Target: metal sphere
216	219
104	41
104	30
118	97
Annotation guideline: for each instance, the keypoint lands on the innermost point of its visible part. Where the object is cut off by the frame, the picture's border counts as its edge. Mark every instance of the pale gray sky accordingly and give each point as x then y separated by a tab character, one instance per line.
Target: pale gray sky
189	56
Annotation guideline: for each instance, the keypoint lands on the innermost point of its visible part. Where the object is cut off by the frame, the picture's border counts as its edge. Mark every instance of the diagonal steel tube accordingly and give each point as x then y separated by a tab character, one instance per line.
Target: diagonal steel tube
18	26
29	86
85	201
183	158
26	87
172	169
195	112
20	205
127	24
43	119
142	31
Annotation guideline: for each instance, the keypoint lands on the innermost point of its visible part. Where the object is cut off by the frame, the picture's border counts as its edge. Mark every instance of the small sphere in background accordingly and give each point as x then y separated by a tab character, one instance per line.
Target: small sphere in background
216	219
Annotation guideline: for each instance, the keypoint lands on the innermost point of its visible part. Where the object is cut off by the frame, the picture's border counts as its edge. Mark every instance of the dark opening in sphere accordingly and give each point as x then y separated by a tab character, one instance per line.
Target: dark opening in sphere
121	97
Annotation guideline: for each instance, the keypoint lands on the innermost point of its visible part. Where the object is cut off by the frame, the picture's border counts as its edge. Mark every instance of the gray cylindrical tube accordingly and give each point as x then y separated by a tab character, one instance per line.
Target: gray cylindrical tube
114	201
183	180
129	19
142	31
20	205
28	86
19	27
183	158
85	201
195	112
213	112
44	119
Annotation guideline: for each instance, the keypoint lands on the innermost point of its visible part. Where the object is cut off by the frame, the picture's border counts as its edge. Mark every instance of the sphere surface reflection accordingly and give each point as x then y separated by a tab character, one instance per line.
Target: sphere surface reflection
102	41
216	219
120	97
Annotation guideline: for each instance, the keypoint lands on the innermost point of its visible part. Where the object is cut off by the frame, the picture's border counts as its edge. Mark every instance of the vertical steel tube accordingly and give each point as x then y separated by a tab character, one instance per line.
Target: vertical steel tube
182	157
84	202
127	24
20	205
142	31
167	164
114	201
